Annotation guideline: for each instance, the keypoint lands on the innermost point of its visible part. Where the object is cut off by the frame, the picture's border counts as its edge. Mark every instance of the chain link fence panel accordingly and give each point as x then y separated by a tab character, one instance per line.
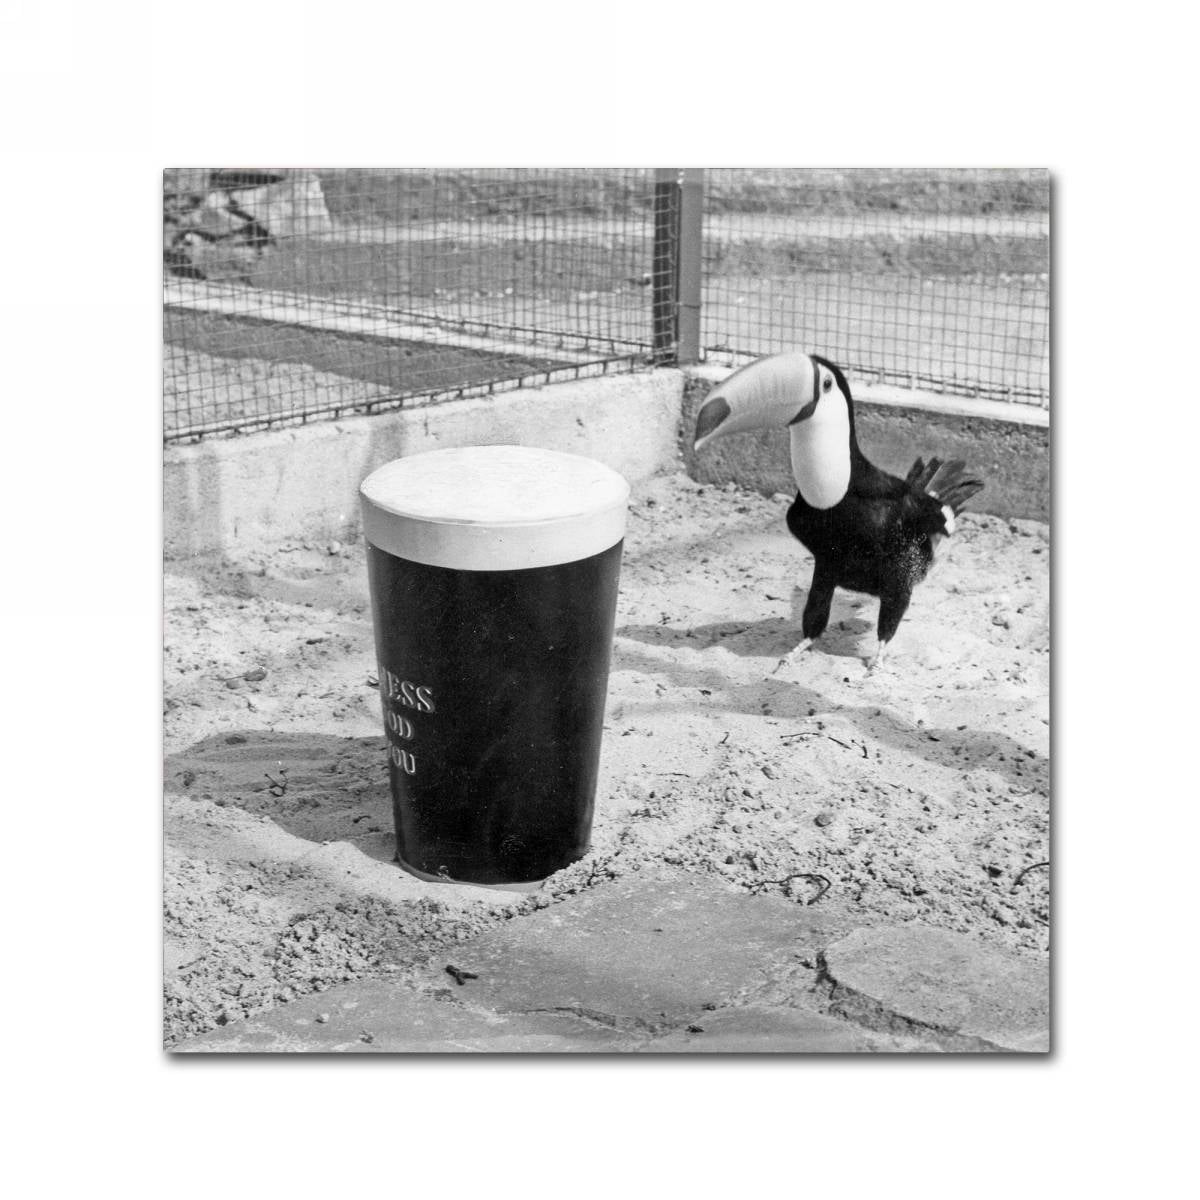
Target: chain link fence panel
292	295
931	279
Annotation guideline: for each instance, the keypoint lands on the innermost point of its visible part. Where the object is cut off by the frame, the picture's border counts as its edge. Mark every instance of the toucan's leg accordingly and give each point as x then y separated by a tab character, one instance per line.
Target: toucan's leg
816	614
892	608
791	656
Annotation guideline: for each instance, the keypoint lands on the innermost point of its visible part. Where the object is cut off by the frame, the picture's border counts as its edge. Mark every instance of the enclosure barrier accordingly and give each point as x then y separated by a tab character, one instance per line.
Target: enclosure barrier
930	279
295	295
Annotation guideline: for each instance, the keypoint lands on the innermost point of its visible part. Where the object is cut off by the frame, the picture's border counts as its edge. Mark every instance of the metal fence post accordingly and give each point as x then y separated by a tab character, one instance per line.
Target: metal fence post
675	273
691	215
662	267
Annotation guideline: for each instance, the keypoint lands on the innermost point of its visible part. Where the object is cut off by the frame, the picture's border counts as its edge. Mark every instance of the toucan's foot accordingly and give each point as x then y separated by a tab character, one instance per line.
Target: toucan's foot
792	655
877	661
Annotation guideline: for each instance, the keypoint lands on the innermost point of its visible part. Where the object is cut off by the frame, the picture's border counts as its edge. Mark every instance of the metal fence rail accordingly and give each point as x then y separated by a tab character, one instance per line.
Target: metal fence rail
292	295
933	279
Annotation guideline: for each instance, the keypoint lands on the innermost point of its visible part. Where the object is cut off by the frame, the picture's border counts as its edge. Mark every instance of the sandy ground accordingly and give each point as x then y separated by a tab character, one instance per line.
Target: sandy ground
920	793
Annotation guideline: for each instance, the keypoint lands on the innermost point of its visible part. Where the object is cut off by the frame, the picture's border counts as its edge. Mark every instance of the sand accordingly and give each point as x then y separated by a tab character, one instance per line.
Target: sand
919	793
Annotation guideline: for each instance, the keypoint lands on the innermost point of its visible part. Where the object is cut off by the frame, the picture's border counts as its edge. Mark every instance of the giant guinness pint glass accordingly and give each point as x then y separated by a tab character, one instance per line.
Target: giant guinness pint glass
493	573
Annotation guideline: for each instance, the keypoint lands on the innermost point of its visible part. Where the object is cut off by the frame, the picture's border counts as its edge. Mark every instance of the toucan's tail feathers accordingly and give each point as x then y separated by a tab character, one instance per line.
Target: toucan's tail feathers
946	482
919	475
957	495
944	478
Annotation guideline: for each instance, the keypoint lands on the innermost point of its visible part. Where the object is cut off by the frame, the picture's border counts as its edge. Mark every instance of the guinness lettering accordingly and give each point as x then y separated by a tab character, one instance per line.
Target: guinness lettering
411	696
401	726
402	759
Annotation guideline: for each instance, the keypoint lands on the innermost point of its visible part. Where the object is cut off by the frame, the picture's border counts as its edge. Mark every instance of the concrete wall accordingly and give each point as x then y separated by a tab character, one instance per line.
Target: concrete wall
1008	446
227	493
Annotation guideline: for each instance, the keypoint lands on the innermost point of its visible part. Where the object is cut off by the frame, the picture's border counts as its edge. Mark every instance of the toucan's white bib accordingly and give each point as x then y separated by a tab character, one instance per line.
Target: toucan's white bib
821	452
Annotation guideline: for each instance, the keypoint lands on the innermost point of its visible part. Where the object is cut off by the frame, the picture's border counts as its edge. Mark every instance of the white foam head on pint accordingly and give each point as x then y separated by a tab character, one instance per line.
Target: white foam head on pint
494	508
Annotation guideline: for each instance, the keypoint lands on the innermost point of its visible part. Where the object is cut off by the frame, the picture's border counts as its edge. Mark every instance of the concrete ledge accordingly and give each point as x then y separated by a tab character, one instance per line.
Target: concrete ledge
229	493
1008	445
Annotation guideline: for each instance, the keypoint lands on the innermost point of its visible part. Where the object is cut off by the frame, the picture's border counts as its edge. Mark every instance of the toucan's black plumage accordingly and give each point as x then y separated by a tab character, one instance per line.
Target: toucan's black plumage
868	531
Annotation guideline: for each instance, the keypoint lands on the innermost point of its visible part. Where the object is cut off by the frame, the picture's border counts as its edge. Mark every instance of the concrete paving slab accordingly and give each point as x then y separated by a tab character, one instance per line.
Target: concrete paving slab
758	1029
637	953
675	963
913	978
385	1017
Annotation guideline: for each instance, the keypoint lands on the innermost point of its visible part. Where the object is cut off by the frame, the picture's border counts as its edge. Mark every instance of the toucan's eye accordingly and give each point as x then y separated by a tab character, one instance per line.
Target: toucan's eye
827	383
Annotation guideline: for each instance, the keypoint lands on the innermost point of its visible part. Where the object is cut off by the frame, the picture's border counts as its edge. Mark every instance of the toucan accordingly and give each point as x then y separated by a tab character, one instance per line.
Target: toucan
867	531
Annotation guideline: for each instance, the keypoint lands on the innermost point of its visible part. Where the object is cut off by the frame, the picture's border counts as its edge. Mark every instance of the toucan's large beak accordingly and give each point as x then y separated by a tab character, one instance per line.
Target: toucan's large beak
769	393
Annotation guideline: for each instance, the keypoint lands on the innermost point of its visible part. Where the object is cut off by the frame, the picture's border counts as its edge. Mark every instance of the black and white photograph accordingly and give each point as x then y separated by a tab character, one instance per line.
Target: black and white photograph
606	611
540	662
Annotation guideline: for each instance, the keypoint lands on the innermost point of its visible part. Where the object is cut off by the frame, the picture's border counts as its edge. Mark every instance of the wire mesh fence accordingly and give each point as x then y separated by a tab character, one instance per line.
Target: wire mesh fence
293	295
933	279
297	294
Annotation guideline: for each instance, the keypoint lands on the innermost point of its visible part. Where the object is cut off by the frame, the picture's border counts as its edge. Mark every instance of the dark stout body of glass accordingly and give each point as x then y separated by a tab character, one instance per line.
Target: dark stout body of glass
493	686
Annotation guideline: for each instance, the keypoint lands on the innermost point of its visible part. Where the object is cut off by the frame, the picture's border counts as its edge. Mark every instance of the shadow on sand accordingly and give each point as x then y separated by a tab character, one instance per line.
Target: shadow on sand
786	695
